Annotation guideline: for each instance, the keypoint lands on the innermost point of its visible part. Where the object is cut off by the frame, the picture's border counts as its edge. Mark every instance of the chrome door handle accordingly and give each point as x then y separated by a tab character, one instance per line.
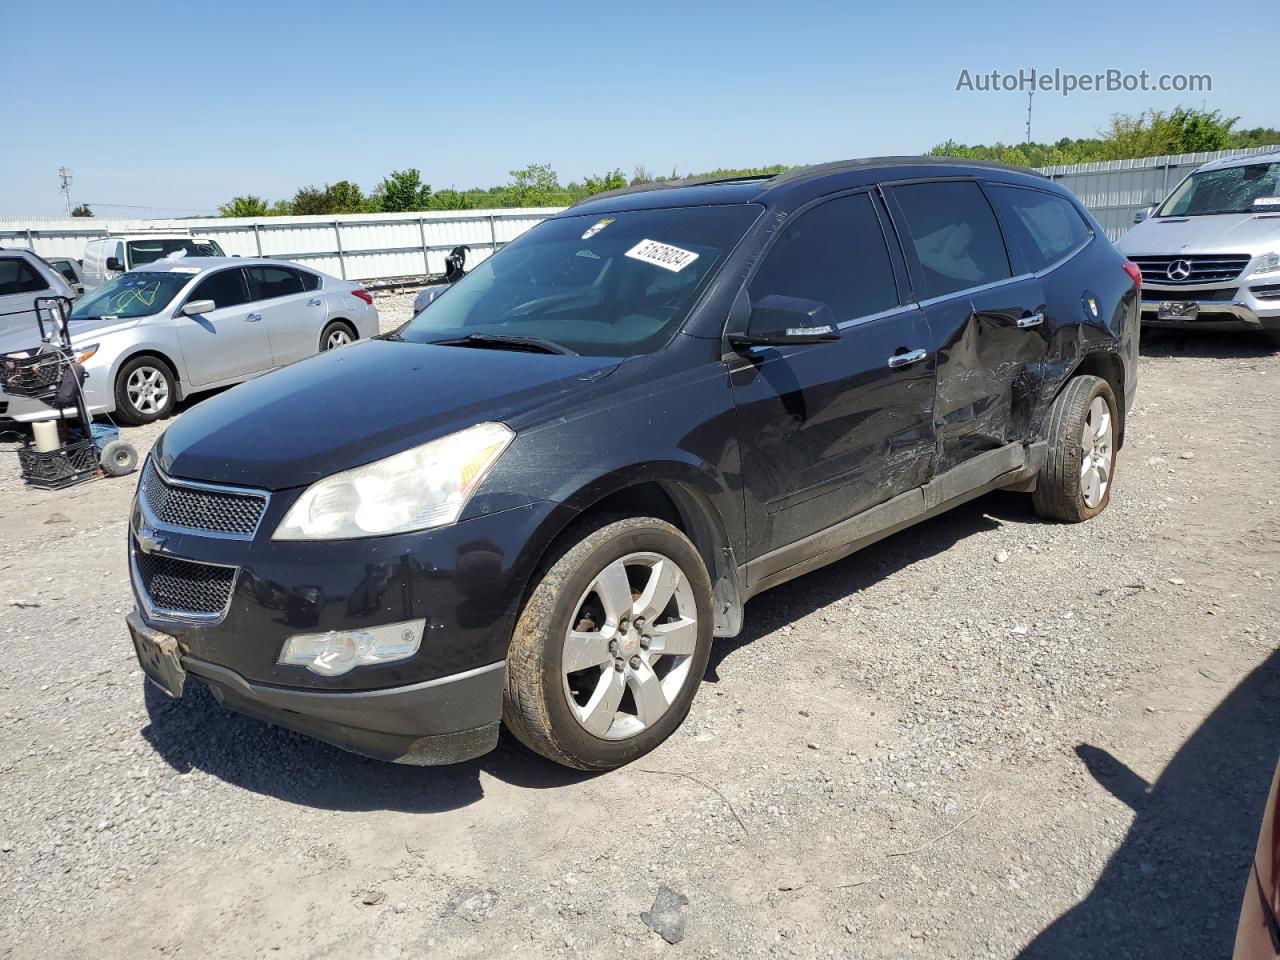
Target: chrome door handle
1032	321
314	302
908	358
253	318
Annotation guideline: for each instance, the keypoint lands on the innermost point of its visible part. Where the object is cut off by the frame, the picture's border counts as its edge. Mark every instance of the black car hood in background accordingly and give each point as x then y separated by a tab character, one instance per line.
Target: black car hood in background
358	404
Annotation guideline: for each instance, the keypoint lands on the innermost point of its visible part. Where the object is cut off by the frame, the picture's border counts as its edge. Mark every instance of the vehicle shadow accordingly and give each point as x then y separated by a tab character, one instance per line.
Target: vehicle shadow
1175	885
813	591
197	733
1209	344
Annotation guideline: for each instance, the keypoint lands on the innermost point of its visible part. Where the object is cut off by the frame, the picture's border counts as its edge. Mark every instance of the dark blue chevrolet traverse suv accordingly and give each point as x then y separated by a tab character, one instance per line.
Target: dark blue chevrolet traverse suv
539	501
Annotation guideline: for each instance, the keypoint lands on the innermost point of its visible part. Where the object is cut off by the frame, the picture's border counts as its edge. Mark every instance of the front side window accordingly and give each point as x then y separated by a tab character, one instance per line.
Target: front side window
1046	228
149	251
226	288
1247	189
18	276
955	235
835	254
131	295
267	283
616	285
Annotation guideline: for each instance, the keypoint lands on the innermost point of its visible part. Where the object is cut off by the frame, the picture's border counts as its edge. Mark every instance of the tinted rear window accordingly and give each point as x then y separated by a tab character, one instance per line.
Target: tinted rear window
955	235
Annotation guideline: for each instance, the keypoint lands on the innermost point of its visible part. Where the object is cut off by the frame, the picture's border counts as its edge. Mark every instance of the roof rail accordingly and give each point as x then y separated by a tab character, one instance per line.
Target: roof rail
671	184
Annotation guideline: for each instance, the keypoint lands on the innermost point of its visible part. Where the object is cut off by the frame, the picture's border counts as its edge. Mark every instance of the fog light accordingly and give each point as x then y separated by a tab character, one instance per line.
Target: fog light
336	652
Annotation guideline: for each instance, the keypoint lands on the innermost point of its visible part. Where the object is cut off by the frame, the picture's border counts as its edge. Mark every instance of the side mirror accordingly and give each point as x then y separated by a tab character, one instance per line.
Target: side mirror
197	307
778	321
1142	214
114	264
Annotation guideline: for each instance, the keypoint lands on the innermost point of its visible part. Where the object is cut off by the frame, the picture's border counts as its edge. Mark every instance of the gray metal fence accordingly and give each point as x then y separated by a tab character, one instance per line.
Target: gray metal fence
1114	190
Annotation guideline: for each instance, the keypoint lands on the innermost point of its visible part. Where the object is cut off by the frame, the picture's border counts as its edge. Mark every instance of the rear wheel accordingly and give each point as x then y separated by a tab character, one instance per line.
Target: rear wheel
1075	481
337	333
611	646
145	391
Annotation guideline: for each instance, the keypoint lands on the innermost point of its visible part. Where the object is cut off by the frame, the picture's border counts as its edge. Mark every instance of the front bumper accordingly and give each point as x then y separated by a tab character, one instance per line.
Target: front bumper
465	580
1254	307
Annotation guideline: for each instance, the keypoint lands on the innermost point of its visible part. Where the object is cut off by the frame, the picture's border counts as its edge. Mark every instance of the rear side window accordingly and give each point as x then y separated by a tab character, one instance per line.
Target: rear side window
18	276
955	235
266	283
835	254
225	288
1044	227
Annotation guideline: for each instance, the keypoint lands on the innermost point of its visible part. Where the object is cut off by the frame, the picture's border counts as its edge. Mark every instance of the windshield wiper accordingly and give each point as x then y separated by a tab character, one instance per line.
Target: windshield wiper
504	341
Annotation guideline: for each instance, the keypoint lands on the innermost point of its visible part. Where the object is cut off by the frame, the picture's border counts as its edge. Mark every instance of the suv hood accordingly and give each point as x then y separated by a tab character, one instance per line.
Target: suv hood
1240	233
352	406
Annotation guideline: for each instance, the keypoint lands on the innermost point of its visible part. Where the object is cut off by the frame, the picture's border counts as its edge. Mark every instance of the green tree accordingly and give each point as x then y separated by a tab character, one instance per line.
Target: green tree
533	186
246	206
82	211
402	191
345	197
450	199
310	201
613	180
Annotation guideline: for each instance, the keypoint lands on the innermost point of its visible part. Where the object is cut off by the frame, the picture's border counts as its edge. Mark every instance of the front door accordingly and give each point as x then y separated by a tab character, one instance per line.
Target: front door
831	429
227	342
989	325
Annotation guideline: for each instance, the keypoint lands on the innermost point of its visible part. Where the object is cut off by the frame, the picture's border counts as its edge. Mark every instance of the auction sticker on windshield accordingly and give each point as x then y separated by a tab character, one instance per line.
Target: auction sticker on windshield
662	255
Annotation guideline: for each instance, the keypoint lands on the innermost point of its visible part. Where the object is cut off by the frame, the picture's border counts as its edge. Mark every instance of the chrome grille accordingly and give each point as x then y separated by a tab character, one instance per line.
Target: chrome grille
181	586
1203	268
199	507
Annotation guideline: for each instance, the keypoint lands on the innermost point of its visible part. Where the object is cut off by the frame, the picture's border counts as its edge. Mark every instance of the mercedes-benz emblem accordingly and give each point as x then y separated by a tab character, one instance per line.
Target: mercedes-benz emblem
1179	270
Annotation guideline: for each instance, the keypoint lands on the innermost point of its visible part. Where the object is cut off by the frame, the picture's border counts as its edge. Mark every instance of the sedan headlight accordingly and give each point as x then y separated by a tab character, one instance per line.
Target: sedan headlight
427	486
1266	263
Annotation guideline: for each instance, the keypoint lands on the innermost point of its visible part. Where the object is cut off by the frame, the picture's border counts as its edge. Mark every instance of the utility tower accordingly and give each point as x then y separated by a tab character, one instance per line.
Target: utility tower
1030	94
65	175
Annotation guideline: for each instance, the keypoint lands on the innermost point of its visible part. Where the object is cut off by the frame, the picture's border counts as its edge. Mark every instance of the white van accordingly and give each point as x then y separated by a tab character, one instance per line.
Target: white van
108	257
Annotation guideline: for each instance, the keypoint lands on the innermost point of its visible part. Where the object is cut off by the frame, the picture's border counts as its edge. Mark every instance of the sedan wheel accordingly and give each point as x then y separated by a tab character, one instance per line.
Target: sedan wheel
145	391
336	334
148	391
610	646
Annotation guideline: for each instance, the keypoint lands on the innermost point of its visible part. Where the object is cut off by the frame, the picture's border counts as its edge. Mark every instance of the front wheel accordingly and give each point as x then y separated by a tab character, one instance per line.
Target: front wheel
1079	470
145	391
610	646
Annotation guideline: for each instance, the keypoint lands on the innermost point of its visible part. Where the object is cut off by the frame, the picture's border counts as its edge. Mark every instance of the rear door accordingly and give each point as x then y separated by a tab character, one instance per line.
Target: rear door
989	323
20	284
227	342
829	430
292	310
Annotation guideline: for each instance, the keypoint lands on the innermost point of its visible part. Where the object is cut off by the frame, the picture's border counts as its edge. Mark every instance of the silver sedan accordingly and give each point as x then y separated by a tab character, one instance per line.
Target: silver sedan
172	328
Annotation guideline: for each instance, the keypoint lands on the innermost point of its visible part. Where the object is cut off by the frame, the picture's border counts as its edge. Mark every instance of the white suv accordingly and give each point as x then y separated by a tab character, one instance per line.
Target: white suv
23	278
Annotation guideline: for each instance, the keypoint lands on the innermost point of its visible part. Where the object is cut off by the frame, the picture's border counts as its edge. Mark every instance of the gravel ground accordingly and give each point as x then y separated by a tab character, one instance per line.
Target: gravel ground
984	736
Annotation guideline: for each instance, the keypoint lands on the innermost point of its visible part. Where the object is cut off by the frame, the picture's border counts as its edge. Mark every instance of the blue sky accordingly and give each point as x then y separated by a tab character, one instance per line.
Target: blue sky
178	106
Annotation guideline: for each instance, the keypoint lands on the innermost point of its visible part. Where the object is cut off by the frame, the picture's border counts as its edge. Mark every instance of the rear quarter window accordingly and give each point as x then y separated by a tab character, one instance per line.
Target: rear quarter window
1043	227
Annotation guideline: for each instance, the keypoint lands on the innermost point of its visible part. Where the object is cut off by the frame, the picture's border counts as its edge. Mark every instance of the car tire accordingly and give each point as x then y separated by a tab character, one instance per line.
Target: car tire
1079	471
145	391
337	333
591	683
118	458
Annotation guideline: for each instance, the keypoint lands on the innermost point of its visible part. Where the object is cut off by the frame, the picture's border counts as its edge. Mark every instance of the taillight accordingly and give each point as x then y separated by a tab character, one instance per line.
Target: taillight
364	295
1134	273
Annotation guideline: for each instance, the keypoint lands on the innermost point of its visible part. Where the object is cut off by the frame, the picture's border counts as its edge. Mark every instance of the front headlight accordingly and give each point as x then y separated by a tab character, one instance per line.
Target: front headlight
425	487
1266	263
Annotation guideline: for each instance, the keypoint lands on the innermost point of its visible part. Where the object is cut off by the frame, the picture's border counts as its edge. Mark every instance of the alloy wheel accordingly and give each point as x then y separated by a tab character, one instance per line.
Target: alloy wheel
148	390
1096	450
338	338
629	649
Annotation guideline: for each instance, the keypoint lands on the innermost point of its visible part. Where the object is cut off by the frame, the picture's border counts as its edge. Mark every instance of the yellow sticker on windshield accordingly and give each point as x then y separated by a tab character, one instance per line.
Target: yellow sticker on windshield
597	227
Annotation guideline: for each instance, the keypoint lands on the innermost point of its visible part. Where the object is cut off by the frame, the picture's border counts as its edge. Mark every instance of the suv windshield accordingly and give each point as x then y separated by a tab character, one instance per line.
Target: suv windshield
149	251
1231	190
617	285
131	295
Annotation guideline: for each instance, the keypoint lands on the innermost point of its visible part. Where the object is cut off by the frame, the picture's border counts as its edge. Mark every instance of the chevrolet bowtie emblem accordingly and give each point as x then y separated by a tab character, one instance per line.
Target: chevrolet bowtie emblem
149	541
